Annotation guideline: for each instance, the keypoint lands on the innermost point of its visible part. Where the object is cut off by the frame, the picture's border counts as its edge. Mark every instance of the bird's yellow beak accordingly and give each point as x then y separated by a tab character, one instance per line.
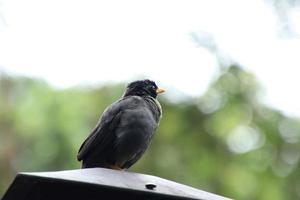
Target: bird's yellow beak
159	90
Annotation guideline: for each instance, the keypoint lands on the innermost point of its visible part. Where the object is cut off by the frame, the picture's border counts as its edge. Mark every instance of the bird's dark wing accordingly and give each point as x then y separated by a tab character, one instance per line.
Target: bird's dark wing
103	134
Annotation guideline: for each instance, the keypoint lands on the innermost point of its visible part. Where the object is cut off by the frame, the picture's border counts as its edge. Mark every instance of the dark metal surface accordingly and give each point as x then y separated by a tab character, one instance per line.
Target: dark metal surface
99	183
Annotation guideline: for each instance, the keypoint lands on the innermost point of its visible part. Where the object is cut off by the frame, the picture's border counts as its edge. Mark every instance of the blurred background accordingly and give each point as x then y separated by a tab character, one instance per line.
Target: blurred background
231	69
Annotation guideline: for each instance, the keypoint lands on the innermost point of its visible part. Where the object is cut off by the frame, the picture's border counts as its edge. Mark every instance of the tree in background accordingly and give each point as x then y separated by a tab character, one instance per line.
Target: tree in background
226	141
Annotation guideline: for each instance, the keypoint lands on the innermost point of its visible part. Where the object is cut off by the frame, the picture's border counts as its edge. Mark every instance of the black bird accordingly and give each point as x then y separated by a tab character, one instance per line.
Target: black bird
124	130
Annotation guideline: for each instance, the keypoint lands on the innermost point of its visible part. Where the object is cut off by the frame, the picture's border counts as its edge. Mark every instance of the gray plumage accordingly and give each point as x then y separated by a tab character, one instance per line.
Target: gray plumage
124	130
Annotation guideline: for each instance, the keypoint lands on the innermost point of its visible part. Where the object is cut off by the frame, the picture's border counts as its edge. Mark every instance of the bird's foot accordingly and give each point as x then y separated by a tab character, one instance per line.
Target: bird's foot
115	167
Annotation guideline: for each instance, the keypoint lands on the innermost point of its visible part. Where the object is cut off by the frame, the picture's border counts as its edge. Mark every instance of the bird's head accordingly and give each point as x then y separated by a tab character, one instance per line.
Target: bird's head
143	88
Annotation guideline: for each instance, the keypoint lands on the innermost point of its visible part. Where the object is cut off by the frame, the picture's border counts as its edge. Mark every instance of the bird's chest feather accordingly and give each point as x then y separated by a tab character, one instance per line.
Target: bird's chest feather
137	122
134	132
137	126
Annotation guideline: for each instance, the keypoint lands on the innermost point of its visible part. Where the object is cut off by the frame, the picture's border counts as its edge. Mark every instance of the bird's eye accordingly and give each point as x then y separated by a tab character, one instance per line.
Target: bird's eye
153	87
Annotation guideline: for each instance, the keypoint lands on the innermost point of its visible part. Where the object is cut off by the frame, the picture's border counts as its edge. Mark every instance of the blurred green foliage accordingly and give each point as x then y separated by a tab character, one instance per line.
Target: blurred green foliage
225	142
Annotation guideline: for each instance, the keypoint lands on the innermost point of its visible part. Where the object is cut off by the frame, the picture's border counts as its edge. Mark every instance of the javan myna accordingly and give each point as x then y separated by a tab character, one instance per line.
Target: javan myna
124	130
